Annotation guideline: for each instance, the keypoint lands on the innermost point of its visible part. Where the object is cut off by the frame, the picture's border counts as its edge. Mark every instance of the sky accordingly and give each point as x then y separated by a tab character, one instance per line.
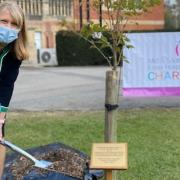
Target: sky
172	1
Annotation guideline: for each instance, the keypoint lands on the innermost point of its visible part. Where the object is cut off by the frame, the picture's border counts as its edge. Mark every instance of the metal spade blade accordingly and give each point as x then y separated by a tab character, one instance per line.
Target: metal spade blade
37	163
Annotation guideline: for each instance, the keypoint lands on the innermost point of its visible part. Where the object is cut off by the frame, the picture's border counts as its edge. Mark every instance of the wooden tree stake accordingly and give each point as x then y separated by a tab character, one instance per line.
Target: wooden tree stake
111	99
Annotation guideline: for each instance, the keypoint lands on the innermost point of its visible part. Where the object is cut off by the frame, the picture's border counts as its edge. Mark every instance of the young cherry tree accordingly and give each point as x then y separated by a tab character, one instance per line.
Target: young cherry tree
110	37
117	16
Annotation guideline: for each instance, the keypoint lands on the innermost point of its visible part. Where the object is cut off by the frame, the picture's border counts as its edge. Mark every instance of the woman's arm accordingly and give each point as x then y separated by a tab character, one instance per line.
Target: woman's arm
8	75
2	121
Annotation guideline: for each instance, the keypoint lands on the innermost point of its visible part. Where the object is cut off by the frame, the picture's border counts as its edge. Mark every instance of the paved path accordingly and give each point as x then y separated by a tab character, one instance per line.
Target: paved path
71	88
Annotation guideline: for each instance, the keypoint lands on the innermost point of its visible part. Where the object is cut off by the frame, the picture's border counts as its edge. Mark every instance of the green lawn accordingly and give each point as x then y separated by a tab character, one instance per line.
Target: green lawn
153	137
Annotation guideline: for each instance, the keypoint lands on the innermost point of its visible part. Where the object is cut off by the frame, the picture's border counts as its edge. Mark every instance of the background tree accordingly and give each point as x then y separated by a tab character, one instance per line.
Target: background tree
177	14
169	19
172	15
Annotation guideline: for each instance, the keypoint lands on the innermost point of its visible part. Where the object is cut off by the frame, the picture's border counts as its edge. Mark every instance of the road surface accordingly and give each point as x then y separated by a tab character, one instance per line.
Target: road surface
72	88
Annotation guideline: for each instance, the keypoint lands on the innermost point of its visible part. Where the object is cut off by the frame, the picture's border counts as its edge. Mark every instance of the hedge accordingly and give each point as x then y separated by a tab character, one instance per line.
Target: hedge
72	50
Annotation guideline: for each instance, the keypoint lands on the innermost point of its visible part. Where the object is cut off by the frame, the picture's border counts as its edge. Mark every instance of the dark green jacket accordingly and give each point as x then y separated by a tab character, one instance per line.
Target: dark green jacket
9	69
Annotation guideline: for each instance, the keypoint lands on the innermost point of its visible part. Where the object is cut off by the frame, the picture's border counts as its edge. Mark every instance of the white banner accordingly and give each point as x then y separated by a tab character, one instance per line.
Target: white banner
154	62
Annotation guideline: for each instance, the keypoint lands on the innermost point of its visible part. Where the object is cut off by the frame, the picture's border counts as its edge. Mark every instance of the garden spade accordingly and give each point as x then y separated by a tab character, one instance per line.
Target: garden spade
37	163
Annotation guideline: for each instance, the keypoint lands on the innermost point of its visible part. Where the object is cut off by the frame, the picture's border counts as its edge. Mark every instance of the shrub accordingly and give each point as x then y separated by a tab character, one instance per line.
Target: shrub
72	50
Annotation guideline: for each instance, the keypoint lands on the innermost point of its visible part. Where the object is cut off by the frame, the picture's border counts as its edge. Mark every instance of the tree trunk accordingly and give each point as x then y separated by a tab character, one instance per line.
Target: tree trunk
111	104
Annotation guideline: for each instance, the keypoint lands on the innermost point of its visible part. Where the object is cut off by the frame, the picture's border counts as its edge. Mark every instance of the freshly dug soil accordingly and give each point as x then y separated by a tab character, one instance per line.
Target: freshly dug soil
65	160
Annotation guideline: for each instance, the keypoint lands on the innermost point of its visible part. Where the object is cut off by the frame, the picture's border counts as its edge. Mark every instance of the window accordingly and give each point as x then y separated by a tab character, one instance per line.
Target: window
60	7
31	7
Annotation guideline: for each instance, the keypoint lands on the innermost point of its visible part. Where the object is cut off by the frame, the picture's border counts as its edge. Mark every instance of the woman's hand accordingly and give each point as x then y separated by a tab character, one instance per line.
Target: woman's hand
2	120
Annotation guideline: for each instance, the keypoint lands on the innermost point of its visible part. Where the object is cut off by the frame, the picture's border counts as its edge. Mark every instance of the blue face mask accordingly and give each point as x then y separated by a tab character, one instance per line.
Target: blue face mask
8	35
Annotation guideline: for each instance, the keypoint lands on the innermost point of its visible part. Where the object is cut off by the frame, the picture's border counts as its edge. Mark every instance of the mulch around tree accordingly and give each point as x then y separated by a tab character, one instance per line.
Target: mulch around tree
66	161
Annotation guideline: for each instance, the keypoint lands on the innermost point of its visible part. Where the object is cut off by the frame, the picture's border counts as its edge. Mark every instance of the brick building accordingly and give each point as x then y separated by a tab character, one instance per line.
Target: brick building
151	20
45	18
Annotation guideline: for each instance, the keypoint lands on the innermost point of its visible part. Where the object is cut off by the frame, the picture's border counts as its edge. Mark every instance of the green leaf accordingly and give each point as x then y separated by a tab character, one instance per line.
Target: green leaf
126	60
129	46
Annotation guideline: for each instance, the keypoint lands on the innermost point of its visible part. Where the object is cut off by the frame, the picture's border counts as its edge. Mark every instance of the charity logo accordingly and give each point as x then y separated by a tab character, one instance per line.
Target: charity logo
178	49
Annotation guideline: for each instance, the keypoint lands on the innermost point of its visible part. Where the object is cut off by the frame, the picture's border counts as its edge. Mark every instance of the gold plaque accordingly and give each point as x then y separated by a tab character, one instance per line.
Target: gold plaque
109	156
